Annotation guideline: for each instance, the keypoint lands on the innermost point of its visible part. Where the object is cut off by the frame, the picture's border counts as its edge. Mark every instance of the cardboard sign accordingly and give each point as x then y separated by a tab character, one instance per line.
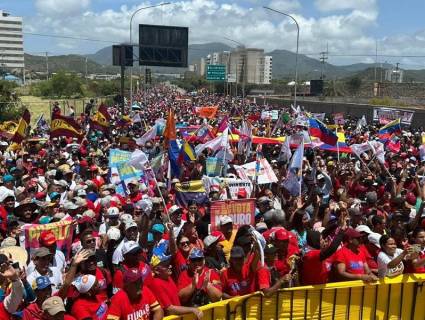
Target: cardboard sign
241	211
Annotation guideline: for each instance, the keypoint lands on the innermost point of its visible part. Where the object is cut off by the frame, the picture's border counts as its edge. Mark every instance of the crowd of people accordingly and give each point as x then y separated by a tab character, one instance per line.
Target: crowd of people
136	252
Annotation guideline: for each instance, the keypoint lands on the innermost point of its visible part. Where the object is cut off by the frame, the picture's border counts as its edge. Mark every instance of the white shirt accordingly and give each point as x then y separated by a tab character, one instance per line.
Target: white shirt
117	257
384	259
55	277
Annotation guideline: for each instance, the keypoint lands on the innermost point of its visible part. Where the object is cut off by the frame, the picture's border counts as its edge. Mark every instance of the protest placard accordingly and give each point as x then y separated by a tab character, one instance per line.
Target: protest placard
264	175
386	115
234	185
241	211
62	230
213	166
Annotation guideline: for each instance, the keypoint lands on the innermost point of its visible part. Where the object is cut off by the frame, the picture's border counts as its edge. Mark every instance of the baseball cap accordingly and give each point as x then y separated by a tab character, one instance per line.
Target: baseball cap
130	224
41	283
42	252
237	252
225	220
132	275
281	234
320	176
126	218
263	199
53	305
81	192
196	254
374	239
242	193
84	283
113	234
158	259
54	195
69	205
47	238
113	212
363	228
159	228
174	209
134	182
131	247
8	178
209	240
219	235
261	227
351	233
354	211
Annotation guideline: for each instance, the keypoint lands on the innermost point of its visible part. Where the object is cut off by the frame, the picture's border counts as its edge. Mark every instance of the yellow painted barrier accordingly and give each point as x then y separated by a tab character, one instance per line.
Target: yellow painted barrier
401	297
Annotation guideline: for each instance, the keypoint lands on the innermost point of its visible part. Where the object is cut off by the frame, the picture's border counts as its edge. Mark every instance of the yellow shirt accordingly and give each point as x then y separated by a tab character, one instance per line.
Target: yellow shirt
228	244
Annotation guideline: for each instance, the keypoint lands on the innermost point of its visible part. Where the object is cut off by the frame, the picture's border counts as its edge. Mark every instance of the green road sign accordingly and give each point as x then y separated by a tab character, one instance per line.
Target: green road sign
216	72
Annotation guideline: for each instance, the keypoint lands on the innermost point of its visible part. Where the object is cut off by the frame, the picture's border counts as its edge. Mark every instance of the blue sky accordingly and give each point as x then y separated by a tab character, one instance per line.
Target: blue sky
346	26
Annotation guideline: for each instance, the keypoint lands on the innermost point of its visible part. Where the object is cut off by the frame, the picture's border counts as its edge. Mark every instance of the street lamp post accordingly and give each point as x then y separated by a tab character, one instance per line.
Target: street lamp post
131	42
296	56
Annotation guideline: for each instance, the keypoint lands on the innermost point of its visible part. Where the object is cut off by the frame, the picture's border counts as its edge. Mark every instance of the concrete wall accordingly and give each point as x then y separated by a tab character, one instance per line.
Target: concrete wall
356	110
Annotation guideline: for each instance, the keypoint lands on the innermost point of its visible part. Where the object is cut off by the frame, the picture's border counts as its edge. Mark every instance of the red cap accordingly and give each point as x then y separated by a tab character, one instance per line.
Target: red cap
351	233
411	198
281	234
83	163
132	275
47	238
242	193
93	167
40	195
219	235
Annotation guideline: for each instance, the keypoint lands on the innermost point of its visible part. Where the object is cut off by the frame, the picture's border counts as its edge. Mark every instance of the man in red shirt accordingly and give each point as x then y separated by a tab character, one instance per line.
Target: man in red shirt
280	239
102	275
133	187
350	262
42	290
166	290
134	301
132	254
88	305
198	285
240	278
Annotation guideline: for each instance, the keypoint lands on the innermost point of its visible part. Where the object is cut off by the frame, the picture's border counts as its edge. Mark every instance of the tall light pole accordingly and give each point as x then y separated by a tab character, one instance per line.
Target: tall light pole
296	56
243	74
131	42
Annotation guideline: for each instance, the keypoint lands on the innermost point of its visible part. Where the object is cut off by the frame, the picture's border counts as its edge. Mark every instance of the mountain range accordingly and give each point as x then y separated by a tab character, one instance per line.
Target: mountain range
283	64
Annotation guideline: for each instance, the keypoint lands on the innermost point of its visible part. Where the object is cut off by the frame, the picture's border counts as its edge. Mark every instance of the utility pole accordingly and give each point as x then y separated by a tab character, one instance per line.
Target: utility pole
376	56
47	65
86	68
323	59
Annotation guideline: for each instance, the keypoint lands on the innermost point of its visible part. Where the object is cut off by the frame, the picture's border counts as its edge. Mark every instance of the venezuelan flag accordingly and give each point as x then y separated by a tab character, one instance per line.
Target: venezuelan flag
391	127
186	153
319	130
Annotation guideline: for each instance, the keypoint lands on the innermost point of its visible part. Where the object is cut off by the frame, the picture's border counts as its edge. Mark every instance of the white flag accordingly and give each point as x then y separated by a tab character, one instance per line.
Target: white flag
149	135
359	149
214	144
378	150
137	118
138	159
285	151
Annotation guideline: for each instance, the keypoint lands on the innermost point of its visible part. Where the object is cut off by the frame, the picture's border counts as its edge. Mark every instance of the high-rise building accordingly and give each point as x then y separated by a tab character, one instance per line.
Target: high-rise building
11	42
268	66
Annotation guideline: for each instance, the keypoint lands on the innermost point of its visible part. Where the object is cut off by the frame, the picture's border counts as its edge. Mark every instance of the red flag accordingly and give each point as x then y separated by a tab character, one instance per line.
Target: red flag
21	130
101	120
65	126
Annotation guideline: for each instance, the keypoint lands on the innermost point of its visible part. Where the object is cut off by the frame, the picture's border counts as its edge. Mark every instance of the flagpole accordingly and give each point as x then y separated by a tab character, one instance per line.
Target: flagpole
337	145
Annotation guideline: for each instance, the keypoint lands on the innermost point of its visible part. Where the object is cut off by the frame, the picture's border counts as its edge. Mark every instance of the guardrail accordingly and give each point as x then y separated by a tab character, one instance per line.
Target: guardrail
402	297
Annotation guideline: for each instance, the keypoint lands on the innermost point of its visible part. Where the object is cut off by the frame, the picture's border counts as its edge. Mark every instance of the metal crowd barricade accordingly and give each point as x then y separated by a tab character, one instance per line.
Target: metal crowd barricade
402	297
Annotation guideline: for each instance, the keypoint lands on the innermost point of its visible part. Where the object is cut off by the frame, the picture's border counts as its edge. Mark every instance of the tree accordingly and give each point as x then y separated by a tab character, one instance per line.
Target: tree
354	84
60	85
9	101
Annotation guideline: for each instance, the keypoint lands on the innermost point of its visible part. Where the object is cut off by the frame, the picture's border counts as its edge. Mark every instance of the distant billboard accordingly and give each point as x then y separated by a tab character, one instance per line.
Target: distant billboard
163	46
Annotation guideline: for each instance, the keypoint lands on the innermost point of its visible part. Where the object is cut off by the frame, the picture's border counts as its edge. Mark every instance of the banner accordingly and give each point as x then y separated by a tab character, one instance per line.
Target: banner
62	230
213	167
272	114
241	211
264	175
117	162
233	184
319	116
207	112
386	115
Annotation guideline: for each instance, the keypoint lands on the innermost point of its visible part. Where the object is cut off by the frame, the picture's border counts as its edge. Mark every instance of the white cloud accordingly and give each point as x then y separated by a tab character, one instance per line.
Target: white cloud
62	8
337	5
346	32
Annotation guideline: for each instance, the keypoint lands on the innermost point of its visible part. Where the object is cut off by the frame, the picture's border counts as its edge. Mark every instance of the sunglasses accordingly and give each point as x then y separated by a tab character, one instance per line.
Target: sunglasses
91	241
184	243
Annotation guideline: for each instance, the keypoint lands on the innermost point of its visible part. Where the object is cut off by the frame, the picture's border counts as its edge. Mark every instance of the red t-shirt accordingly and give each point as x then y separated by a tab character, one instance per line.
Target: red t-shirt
313	270
179	263
32	312
103	283
411	269
121	307
165	291
118	282
293	247
371	262
3	312
262	279
95	309
354	262
185	279
238	284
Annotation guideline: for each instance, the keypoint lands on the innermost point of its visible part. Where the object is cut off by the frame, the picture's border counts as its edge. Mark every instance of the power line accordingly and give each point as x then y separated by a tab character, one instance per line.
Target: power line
66	37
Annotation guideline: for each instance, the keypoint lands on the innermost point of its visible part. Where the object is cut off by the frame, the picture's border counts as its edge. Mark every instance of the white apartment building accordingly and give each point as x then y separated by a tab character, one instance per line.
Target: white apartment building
268	66
11	42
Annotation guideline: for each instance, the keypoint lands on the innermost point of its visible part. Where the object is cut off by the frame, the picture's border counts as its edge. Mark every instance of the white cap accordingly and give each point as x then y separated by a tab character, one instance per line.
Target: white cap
173	209
81	192
130	224
69	205
5	192
84	283
209	240
363	228
225	220
113	212
126	218
374	239
113	233
129	246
